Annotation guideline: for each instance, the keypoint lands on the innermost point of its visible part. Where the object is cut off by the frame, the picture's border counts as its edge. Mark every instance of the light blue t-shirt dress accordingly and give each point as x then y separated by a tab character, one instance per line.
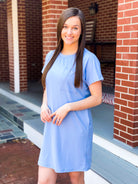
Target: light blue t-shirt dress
68	147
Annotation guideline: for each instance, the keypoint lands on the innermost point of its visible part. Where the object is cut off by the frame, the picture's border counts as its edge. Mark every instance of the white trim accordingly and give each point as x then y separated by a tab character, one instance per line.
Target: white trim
116	150
33	135
122	153
21	101
92	178
15	46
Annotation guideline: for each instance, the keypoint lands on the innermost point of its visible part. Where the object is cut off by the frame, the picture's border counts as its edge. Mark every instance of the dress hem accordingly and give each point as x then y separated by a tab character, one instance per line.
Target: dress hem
67	170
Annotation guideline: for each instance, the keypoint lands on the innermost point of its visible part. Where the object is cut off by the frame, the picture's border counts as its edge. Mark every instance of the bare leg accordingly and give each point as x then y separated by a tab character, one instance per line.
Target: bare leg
77	177
46	176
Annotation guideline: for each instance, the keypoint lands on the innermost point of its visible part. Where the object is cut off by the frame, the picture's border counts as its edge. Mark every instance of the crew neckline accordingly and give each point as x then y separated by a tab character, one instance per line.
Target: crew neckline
67	55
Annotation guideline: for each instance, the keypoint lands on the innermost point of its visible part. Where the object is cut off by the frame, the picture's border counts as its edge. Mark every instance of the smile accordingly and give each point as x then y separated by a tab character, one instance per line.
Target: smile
68	38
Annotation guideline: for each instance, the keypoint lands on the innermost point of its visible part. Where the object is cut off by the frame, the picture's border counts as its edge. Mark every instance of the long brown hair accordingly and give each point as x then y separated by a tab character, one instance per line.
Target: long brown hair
70	12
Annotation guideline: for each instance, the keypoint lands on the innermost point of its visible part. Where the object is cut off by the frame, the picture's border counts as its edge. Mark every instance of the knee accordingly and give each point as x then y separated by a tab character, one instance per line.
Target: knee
76	178
46	176
43	181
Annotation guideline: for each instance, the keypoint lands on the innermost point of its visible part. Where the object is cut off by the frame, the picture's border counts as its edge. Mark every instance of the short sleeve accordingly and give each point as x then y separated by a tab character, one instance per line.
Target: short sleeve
47	59
92	70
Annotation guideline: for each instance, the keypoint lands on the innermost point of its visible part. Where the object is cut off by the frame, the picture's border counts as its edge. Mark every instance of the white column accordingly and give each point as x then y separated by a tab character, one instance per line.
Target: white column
15	47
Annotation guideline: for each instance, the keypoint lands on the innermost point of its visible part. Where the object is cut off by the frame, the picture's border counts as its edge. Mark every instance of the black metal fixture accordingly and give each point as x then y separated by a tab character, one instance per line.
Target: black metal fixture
93	9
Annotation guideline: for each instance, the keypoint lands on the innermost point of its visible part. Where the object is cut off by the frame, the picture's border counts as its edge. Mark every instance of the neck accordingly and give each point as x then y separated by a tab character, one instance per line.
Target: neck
67	49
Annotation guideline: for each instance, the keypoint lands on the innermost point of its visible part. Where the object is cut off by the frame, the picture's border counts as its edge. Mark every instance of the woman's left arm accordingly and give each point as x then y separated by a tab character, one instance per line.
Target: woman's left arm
93	100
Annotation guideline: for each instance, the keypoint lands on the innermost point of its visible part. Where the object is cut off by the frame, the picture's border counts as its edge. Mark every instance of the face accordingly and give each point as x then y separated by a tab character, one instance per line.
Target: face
71	31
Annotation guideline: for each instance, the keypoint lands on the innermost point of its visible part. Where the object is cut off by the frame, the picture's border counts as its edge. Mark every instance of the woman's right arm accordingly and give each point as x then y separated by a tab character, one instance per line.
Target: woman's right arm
45	111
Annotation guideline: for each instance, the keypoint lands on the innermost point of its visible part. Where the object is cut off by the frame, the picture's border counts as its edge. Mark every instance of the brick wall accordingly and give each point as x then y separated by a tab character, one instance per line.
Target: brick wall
22	45
34	39
126	83
32	36
10	44
108	69
4	72
105	18
51	10
106	23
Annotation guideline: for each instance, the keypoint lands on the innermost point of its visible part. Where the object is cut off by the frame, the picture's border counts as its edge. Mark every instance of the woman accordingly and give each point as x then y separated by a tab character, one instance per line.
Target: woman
72	85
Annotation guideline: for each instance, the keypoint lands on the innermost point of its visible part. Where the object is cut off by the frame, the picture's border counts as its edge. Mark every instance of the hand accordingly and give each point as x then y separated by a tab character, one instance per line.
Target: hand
45	114
60	114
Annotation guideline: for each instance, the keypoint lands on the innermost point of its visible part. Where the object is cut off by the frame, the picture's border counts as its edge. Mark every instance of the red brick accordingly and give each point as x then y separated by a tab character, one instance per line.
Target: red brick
122	63
120	14
134	35
119	126
65	3
132	91
126	136
116	119
130	13
127	123
119	138
118	69
128	1
135	137
123	35
121	1
119	29
128	97
135	111
122	49
130	56
118	55
117	94
121	76
124	21
135	5
133	118
124	6
119	42
127	110
133	144
120	101
116	106
56	2
119	114
128	83
128	70
130	41
133	104
134	49
133	131
54	11
116	131
135	64
132	27
136	96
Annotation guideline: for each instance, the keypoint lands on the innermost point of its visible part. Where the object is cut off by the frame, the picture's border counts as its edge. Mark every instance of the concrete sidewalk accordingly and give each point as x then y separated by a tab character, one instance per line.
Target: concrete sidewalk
18	163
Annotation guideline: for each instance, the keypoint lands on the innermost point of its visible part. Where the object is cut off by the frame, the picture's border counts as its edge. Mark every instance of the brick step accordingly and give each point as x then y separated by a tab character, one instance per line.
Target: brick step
16	112
9	131
11	117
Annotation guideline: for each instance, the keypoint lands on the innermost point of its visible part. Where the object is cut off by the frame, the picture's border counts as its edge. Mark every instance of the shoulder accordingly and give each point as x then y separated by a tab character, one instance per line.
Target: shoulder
89	57
50	54
48	57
